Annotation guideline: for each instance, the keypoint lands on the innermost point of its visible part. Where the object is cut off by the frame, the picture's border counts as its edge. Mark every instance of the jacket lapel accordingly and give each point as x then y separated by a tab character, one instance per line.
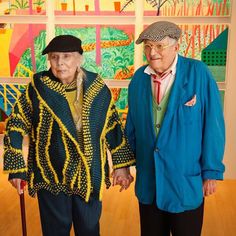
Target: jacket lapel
56	102
143	106
149	104
91	89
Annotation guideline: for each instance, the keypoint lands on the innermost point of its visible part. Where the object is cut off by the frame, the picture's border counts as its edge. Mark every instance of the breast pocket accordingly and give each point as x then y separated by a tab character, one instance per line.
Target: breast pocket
190	113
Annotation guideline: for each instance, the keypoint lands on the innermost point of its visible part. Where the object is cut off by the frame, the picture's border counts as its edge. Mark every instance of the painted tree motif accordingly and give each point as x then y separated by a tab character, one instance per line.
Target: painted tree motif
154	3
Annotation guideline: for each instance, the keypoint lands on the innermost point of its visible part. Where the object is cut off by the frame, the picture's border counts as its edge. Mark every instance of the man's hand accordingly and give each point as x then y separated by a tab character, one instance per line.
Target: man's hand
16	183
122	177
209	187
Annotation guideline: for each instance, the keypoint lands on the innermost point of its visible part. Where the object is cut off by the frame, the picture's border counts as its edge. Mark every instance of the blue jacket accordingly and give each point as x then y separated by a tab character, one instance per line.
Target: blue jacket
190	144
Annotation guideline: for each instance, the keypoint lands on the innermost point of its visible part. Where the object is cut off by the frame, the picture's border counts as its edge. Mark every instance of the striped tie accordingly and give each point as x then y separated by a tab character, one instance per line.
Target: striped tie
157	80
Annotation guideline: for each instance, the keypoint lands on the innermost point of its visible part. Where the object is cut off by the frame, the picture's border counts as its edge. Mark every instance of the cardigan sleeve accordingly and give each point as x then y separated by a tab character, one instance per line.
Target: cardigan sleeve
117	143
18	125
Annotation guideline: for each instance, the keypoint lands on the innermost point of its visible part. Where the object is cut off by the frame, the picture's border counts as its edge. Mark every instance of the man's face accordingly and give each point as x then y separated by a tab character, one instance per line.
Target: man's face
160	55
64	65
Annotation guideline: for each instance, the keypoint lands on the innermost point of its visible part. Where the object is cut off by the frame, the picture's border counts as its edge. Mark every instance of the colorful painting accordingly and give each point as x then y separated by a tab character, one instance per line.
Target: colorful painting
108	49
92	7
8	95
22	7
21	46
186	7
66	7
119	7
122	103
207	43
112	58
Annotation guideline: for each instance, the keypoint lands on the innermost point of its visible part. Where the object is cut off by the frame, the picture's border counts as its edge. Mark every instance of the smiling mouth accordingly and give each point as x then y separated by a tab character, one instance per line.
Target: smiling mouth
153	59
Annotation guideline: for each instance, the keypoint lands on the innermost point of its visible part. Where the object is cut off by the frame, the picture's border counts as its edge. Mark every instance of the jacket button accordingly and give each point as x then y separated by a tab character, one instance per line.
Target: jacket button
158	108
156	150
158	126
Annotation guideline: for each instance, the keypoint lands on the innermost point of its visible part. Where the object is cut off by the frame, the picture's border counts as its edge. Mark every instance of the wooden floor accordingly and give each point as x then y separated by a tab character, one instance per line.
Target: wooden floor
120	211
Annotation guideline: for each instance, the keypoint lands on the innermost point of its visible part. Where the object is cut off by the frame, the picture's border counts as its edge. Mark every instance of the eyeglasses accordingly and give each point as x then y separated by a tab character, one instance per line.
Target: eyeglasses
156	47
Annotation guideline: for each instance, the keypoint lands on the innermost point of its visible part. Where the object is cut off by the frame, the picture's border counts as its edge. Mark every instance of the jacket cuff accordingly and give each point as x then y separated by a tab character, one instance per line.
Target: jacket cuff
122	165
17	176
212	175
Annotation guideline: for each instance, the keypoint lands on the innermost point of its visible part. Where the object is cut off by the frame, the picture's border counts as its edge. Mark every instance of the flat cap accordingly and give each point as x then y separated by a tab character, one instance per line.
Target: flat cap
64	43
159	30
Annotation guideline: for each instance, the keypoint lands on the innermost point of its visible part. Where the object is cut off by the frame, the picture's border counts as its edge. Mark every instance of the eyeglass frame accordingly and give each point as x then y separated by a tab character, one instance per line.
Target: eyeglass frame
155	47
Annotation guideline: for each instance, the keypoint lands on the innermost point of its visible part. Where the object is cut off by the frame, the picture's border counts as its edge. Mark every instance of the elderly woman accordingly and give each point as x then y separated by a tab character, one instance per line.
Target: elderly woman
71	120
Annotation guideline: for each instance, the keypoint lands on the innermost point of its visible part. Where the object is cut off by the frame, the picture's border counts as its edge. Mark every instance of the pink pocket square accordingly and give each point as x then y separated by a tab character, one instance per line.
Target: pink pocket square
191	102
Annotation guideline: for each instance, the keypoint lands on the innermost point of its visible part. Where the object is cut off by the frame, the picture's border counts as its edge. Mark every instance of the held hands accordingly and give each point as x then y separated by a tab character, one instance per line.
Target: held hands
209	187
122	177
19	184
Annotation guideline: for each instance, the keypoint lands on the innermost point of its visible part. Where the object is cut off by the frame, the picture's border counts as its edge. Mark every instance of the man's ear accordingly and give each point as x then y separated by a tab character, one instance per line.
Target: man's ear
177	47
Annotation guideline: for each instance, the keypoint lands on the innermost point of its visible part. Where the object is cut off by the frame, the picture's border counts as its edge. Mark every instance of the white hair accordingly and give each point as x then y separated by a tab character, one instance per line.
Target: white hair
171	41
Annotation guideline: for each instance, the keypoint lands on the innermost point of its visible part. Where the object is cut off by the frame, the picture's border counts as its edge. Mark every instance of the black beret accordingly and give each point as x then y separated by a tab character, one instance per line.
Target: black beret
64	43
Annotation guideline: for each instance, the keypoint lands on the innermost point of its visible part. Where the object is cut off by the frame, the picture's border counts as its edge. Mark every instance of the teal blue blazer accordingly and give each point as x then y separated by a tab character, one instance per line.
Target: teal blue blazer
190	145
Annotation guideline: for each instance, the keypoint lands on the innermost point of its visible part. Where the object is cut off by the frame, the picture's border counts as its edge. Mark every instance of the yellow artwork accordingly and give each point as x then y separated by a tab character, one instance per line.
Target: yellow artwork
5	38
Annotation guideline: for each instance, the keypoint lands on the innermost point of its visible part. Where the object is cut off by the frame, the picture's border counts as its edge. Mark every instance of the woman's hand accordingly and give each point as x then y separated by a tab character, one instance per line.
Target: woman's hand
16	183
122	177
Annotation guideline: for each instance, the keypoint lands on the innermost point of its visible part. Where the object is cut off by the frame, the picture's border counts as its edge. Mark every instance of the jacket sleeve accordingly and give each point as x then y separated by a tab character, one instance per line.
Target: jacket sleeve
213	137
117	143
18	125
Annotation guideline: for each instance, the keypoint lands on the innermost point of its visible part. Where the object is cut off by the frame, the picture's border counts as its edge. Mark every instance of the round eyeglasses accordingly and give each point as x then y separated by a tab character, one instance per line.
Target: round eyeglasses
156	47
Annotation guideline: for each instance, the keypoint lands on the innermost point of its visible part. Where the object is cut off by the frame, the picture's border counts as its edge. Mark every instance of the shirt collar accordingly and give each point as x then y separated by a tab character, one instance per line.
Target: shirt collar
148	70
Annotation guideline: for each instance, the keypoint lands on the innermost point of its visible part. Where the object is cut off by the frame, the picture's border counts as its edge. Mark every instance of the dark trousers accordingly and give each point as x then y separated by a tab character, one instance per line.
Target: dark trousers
58	212
155	222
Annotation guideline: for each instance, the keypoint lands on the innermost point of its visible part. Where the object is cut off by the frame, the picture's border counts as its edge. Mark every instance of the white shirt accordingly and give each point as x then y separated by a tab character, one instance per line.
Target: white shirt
168	81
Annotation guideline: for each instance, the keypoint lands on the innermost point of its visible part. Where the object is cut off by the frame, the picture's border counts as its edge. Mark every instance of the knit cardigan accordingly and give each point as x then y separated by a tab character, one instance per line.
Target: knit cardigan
56	160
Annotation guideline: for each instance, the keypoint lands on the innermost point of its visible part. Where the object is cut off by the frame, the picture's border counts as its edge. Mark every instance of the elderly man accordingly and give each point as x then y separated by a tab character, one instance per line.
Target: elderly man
176	128
71	120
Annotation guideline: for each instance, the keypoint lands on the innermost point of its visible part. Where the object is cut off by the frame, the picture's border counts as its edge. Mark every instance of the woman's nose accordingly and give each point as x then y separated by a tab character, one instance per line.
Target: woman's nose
60	61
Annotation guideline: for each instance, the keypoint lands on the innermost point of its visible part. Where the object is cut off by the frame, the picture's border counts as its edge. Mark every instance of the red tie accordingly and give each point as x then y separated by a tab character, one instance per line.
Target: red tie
157	79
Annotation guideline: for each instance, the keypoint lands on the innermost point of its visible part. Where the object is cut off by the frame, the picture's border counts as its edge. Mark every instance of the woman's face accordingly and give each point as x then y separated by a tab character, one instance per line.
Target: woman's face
64	65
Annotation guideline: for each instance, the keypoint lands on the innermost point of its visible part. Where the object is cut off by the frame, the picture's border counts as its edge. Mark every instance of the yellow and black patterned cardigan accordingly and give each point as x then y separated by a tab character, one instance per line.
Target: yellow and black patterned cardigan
57	161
